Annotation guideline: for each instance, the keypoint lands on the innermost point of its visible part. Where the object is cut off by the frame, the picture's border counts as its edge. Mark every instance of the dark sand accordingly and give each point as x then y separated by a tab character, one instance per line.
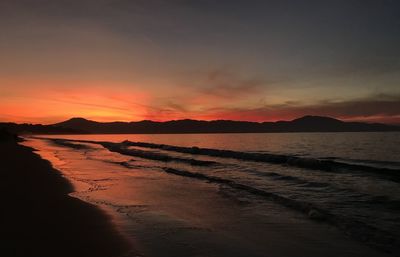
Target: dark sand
38	218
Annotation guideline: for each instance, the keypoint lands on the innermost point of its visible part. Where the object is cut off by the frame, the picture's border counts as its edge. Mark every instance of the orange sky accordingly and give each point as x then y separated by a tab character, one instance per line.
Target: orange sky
51	101
164	60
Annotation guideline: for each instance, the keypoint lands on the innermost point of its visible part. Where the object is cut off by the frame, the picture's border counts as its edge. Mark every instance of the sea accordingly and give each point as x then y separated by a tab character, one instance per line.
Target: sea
349	181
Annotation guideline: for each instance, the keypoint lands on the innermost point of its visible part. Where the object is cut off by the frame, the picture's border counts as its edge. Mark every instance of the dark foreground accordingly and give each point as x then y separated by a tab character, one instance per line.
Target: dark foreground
38	218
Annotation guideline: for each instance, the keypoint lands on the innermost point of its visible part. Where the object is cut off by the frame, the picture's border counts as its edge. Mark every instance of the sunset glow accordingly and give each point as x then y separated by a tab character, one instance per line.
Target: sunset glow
115	61
187	128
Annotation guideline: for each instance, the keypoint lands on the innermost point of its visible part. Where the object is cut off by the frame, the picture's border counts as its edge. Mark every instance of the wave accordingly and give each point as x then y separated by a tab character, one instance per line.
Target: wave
115	147
325	164
297	180
68	144
379	239
122	149
372	163
314	212
302	162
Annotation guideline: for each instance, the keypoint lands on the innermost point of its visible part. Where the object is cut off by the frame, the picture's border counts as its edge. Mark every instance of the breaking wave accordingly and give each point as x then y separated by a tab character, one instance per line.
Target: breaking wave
383	239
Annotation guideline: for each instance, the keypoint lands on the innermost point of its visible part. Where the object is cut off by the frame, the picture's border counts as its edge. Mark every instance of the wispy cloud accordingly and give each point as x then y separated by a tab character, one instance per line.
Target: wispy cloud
380	108
226	84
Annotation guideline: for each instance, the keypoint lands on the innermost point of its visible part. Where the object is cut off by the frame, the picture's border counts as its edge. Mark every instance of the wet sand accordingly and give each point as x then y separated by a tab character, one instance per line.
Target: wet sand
39	218
167	215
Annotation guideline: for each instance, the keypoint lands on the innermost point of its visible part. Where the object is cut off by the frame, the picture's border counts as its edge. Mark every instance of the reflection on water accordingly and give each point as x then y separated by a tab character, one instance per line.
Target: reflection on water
376	146
362	203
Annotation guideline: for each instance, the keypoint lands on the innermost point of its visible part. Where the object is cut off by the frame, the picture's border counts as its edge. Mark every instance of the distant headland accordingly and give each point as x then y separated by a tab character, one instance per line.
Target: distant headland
304	124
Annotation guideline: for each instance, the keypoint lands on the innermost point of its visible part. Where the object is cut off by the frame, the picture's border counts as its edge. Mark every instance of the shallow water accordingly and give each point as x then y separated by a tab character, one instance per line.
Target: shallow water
364	204
378	148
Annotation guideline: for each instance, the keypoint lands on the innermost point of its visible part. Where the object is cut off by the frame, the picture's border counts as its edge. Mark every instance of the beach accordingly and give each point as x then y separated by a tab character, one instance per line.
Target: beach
39	218
171	128
164	214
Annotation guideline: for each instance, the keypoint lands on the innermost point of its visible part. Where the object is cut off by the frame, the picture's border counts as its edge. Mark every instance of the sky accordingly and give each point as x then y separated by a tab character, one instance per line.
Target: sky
132	60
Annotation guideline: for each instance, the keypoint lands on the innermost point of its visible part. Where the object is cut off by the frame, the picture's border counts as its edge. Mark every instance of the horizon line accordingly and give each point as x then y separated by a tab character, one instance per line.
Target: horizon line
188	119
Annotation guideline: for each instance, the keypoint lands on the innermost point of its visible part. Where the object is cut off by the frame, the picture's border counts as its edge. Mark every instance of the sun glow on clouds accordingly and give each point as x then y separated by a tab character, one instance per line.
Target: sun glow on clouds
53	101
164	60
50	101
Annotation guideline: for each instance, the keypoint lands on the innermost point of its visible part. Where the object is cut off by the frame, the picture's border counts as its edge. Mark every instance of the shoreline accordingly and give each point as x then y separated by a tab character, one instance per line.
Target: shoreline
168	215
41	219
160	214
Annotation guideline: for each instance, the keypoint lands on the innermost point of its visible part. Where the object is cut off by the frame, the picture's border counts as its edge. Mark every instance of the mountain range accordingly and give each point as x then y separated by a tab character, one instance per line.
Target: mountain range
303	124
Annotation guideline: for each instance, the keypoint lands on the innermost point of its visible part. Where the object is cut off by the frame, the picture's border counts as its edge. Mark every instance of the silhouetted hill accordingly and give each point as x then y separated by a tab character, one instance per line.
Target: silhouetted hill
304	124
37	129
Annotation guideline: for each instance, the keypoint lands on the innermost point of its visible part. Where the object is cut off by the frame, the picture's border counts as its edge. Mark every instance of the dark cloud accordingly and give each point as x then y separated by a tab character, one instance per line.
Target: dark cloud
227	85
280	47
382	108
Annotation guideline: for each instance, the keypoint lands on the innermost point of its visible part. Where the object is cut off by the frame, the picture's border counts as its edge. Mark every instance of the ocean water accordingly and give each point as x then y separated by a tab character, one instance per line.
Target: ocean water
347	180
